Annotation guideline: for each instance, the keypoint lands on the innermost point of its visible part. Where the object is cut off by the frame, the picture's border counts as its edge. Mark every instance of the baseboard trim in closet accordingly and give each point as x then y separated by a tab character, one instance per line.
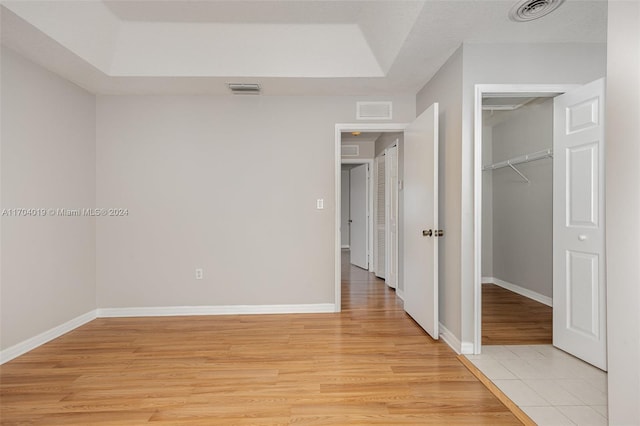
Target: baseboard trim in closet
512	406
545	300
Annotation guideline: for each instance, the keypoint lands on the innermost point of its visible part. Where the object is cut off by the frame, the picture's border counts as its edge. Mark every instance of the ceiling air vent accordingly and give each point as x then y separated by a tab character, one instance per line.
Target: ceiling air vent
528	10
374	110
244	88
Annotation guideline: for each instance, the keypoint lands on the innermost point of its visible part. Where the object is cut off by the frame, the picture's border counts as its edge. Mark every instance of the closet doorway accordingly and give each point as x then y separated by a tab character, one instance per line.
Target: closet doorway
517	218
539	205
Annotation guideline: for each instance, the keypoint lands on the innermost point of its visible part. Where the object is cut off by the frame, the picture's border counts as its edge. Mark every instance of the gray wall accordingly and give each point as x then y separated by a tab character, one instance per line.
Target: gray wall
210	183
48	161
522	212
623	211
385	140
446	89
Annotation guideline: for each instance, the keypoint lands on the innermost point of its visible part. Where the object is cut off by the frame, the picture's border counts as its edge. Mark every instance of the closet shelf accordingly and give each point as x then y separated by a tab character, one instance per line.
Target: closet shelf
512	162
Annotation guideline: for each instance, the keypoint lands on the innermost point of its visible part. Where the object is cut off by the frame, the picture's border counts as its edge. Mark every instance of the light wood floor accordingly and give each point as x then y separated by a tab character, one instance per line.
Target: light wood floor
511	319
369	365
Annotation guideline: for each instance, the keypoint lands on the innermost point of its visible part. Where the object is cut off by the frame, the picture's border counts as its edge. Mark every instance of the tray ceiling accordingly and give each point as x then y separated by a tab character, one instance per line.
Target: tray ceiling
289	47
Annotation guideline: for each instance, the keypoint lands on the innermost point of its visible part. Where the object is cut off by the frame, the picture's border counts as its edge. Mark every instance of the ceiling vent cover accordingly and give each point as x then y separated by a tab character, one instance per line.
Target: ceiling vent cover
244	88
374	110
528	10
350	150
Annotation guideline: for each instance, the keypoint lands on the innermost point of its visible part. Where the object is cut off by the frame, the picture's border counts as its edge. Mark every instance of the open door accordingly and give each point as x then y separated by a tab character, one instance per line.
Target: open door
358	220
421	220
391	216
579	316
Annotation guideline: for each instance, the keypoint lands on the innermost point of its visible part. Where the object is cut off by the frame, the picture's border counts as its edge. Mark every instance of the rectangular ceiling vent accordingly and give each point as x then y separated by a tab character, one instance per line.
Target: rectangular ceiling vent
350	150
374	110
244	88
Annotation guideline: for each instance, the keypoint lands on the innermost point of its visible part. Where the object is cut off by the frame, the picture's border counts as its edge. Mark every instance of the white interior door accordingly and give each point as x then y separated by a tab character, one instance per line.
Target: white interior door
358	202
579	317
380	218
391	216
420	261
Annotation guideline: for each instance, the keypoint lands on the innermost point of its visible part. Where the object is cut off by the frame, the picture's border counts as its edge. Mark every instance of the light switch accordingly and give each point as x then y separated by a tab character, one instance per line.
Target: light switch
320	203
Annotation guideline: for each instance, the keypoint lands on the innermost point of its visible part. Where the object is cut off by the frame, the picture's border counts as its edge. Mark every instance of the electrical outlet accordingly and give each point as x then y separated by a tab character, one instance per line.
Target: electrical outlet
199	273
320	203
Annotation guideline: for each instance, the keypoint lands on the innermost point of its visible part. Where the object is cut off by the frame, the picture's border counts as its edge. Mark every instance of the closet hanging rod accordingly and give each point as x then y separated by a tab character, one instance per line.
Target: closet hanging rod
538	155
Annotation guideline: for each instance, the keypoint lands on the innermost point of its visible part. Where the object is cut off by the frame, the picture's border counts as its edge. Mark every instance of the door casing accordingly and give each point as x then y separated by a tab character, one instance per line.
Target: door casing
338	161
481	90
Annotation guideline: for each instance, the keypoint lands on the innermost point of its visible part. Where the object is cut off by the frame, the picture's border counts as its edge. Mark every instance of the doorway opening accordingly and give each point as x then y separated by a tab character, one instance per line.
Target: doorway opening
508	99
517	218
363	149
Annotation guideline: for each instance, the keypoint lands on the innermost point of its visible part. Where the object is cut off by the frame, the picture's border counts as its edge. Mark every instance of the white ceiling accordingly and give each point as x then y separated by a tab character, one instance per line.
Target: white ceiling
290	47
266	12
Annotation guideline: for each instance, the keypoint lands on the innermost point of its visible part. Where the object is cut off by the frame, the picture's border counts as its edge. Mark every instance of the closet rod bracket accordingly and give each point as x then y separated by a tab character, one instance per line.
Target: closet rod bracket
519	172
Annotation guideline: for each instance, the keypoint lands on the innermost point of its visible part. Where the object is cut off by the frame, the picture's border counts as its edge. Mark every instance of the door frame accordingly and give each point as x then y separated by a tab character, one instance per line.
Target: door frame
339	129
535	90
369	190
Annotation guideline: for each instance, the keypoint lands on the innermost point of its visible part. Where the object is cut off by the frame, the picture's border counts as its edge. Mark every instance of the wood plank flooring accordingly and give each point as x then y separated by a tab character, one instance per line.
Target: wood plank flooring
369	365
511	319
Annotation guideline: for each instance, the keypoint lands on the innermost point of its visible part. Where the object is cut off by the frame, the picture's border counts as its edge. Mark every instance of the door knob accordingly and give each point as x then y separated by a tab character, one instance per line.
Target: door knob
439	233
350	221
582	237
427	233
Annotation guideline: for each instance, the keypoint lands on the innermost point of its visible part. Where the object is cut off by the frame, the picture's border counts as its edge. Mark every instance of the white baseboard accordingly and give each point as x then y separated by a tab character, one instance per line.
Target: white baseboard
466	348
44	337
160	311
400	293
450	339
546	300
346	246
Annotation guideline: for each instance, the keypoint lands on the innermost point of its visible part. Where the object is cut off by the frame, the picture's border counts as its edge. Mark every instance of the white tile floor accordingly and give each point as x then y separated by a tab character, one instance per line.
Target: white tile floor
551	386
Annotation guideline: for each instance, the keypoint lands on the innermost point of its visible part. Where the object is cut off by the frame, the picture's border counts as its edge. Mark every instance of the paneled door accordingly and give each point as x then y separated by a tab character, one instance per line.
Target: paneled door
579	304
420	208
391	216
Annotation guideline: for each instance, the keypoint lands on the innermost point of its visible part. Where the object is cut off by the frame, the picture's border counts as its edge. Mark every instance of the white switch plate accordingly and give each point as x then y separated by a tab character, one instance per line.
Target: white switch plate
199	273
320	203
